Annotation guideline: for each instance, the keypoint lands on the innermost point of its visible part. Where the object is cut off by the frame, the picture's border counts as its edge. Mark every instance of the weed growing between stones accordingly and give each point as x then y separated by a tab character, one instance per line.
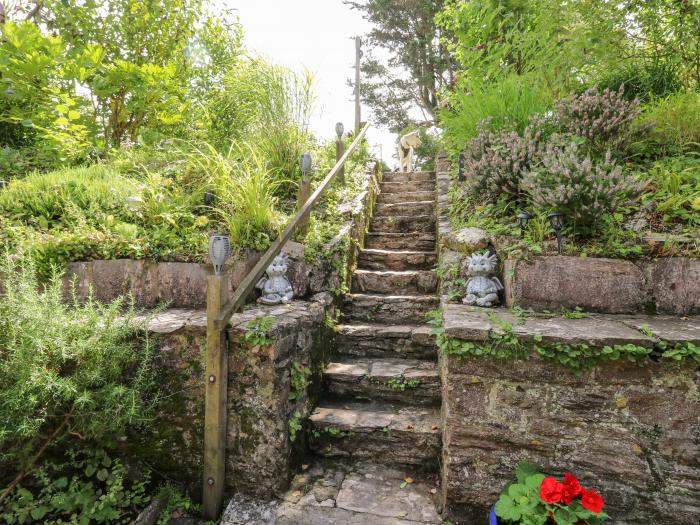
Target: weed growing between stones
403	384
333	432
258	331
299	380
294	426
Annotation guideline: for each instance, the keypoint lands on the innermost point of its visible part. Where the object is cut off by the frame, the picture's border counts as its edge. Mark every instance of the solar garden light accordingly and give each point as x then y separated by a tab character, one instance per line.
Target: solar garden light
462	161
219	252
305	164
209	197
133	202
556	219
524	219
340	150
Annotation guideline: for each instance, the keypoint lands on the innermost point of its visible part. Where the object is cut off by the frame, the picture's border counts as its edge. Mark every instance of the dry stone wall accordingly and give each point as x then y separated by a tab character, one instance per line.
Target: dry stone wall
631	432
260	454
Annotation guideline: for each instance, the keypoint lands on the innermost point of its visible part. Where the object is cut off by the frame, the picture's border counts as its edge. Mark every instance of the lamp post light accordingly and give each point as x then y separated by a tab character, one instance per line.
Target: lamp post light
219	252
304	191
462	160
524	219
340	150
556	219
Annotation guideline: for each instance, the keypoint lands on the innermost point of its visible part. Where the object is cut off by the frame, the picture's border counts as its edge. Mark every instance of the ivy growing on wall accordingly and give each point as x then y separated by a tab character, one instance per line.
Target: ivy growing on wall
506	345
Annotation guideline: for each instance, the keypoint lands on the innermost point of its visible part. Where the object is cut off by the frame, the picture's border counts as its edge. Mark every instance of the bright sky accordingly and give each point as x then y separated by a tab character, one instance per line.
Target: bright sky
318	35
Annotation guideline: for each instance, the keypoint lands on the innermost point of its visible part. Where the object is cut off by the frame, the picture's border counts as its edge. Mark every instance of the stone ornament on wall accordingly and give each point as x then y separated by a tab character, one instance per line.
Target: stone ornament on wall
276	288
483	286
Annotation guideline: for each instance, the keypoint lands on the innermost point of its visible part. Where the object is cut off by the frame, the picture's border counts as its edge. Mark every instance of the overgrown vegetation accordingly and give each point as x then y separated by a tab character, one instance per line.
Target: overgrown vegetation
601	126
74	379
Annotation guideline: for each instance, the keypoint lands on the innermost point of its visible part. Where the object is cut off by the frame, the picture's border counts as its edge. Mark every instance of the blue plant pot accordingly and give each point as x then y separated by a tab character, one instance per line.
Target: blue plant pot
493	519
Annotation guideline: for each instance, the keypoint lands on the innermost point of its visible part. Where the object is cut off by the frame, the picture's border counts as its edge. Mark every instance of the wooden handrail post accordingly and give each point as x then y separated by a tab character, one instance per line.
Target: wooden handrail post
302	197
339	151
216	382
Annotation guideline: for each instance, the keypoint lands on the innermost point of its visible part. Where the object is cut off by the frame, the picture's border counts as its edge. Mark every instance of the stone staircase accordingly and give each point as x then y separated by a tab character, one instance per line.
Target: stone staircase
380	408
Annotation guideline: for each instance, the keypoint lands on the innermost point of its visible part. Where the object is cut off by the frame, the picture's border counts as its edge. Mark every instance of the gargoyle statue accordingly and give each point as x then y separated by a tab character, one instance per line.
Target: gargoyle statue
276	288
483	286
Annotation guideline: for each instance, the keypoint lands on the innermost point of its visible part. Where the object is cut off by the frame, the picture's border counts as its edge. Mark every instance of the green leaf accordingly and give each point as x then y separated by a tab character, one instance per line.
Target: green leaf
524	471
39	512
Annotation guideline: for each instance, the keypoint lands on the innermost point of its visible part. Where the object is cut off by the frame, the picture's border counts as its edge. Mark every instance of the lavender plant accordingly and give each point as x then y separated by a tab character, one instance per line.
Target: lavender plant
582	188
603	118
496	160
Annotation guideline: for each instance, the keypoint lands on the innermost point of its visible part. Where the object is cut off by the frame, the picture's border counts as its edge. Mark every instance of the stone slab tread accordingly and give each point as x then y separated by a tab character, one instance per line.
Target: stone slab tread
399	380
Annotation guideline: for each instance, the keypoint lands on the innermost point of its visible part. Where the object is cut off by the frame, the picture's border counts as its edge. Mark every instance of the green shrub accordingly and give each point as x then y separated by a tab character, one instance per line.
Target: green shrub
89	486
674	122
64	197
583	189
643	81
65	369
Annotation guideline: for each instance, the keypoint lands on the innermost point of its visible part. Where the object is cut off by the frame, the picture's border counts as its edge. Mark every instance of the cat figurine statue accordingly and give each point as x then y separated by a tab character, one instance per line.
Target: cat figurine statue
483	286
276	288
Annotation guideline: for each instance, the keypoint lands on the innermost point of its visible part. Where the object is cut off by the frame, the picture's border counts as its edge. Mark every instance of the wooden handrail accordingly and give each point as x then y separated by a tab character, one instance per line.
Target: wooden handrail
219	311
239	296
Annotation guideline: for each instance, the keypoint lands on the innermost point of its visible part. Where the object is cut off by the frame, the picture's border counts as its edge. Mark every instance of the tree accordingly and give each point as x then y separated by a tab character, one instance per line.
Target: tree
418	66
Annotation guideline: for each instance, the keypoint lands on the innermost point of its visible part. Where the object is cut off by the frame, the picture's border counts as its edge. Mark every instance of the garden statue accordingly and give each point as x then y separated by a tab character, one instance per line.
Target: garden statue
276	288
483	286
407	145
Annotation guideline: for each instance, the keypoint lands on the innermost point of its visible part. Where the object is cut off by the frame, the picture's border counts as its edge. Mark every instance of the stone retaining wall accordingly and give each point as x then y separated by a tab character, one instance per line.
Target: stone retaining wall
260	454
184	285
631	432
668	285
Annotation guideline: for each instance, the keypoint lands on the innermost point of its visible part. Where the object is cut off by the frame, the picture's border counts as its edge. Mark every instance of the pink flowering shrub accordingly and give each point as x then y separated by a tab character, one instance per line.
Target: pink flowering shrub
582	188
603	118
496	160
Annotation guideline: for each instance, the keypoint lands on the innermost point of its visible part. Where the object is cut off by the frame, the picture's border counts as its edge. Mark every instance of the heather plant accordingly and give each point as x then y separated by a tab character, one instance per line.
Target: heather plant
496	160
603	118
583	188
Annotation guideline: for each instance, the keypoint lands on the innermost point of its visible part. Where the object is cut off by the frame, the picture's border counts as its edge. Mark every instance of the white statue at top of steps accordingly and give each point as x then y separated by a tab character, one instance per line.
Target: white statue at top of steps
407	144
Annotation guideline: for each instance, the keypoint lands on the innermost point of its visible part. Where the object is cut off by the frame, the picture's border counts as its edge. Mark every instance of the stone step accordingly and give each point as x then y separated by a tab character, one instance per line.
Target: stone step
405	197
333	492
389	309
377	340
407	186
385	433
397	176
398	380
400	241
370	259
595	330
403	224
403	208
410	282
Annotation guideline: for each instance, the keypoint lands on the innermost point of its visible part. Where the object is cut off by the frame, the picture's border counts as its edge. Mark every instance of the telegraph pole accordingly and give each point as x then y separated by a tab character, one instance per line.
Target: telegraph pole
358	56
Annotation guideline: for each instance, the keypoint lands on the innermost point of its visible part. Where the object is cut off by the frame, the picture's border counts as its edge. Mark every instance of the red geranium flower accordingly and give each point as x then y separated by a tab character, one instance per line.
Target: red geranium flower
572	488
551	490
592	501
